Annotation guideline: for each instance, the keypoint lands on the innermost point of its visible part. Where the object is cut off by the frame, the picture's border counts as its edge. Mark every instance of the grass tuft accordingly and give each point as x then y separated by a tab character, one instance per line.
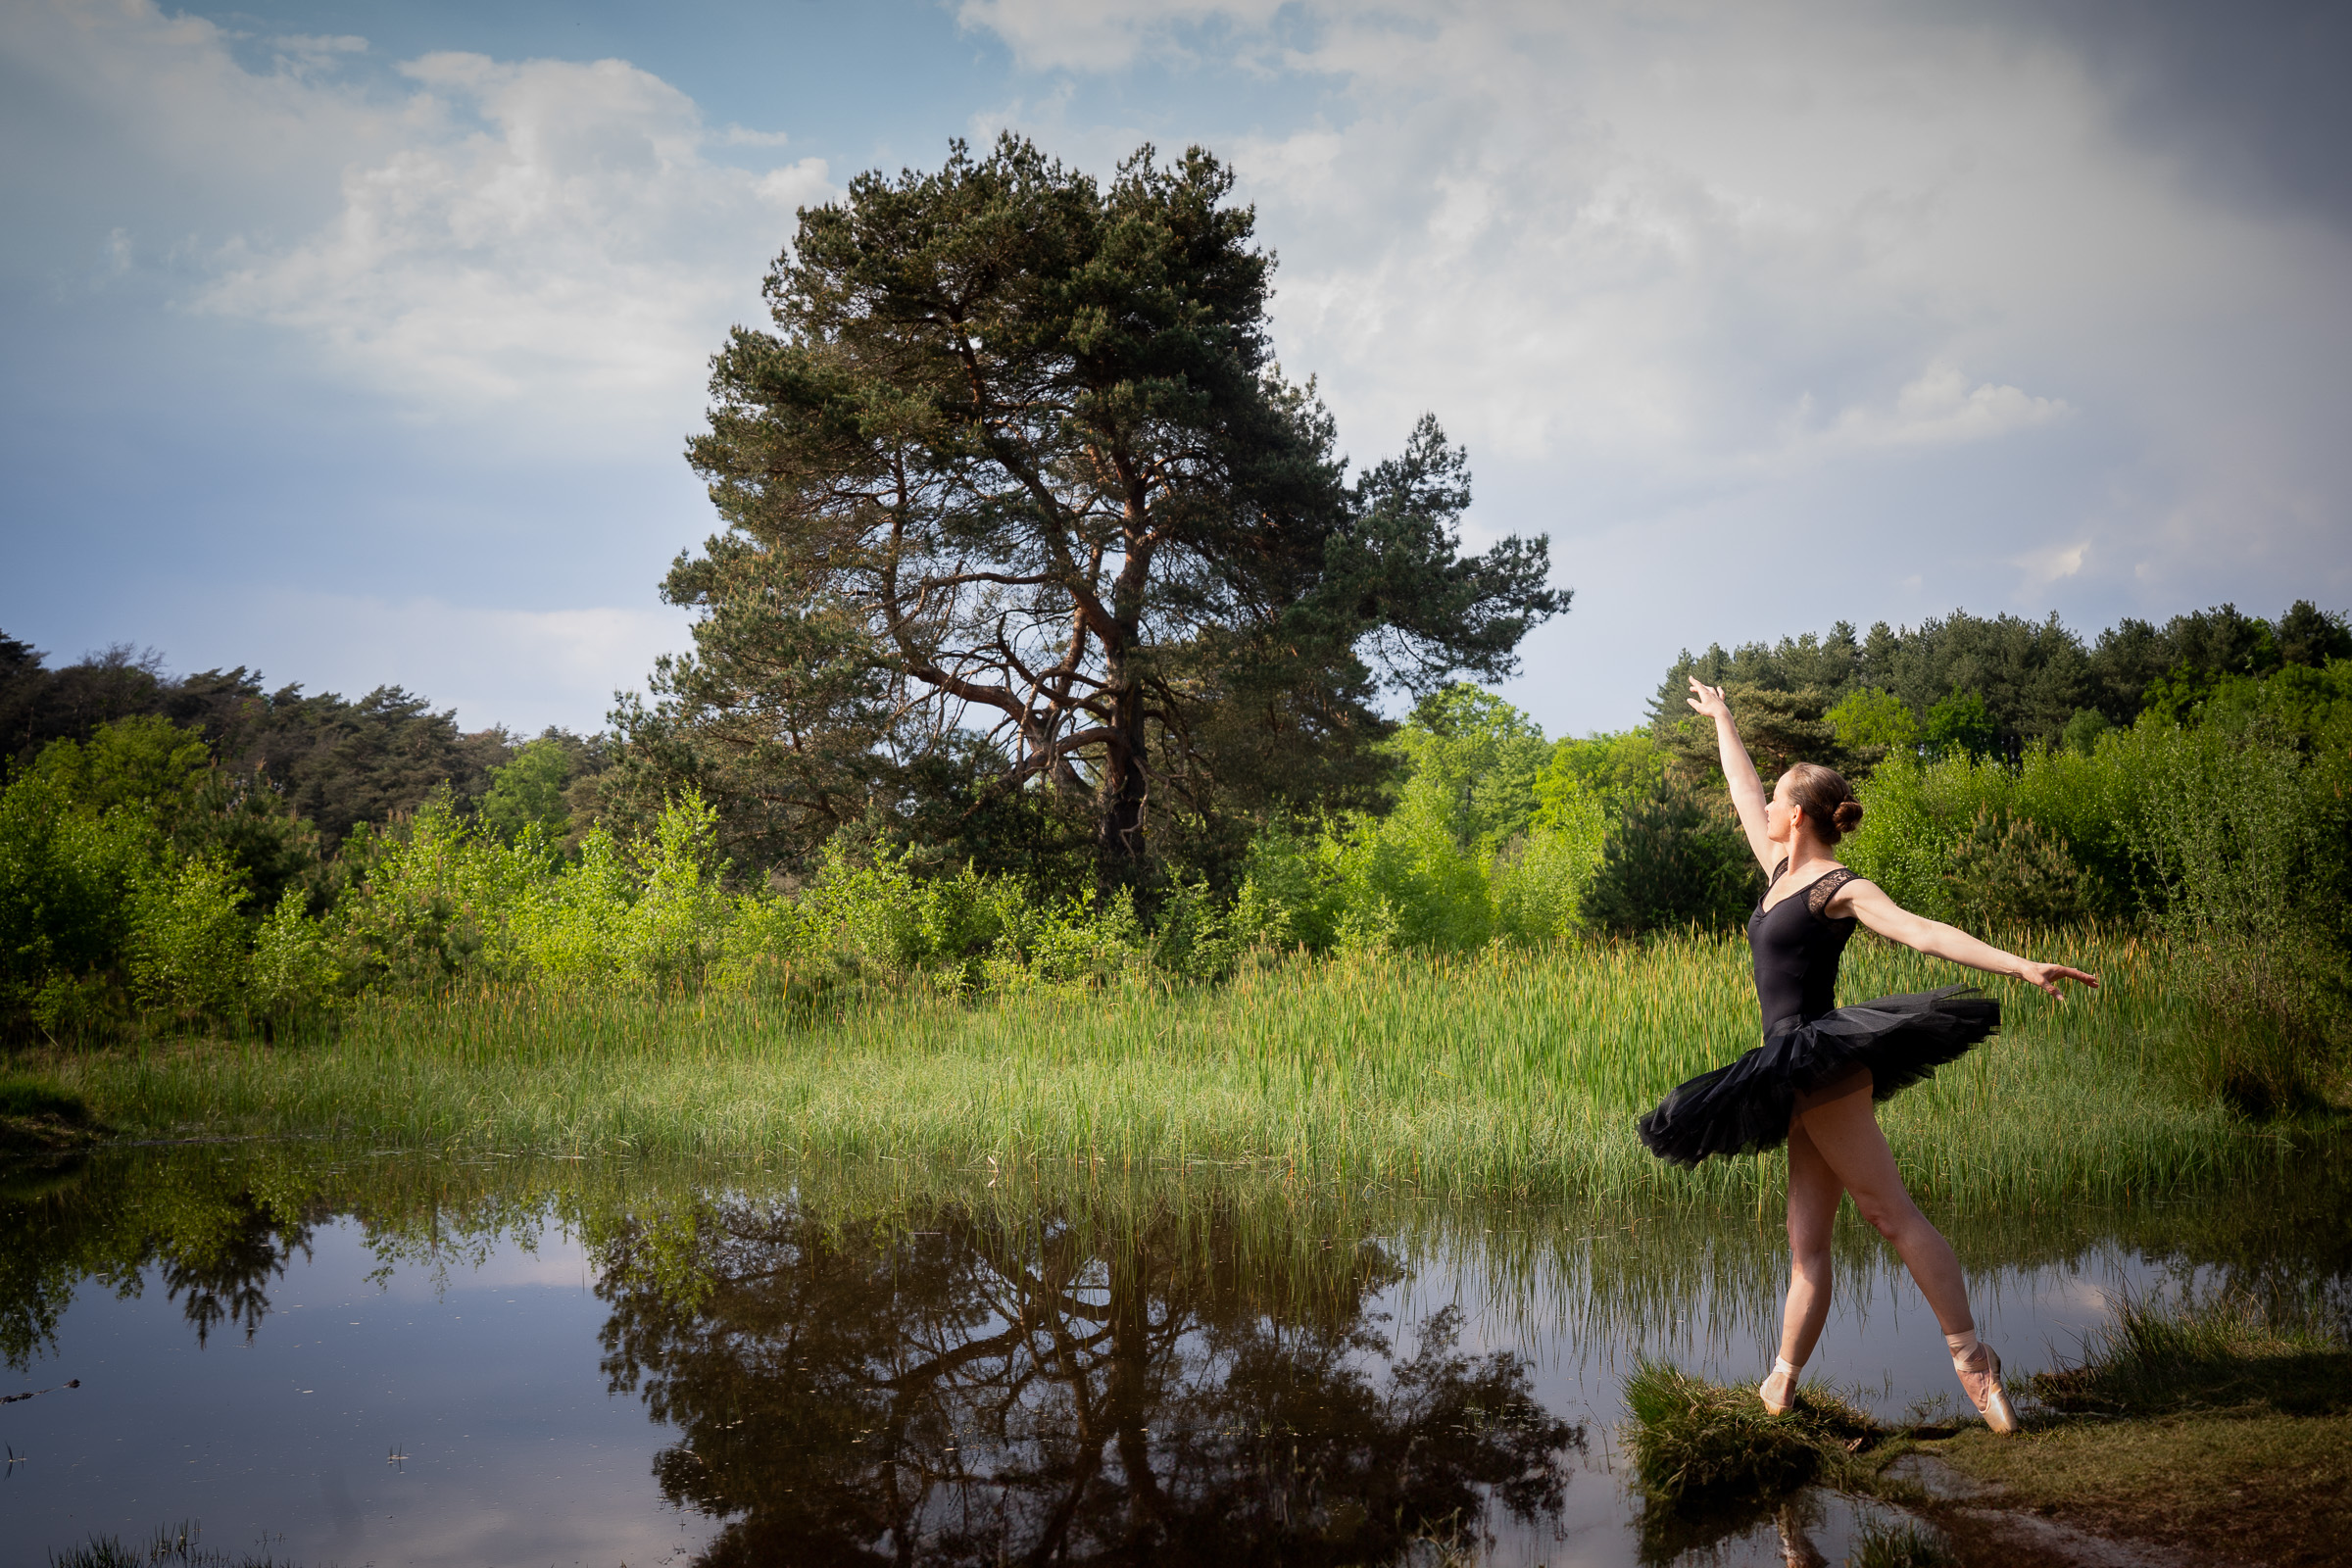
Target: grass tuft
170	1548
2226	1353
1697	1443
40	1118
1904	1545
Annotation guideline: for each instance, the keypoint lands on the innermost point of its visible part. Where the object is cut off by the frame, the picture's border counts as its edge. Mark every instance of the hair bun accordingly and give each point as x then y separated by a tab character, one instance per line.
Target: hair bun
1848	816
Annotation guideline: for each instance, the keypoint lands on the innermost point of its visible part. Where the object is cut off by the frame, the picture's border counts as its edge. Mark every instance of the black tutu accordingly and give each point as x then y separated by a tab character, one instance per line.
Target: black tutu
1744	1109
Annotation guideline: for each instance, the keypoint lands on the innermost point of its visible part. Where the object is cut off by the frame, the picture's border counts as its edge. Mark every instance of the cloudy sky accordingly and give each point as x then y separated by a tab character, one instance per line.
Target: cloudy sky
358	341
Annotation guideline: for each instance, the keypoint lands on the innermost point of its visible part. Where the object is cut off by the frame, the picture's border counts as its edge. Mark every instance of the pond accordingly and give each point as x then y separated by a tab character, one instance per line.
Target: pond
374	1358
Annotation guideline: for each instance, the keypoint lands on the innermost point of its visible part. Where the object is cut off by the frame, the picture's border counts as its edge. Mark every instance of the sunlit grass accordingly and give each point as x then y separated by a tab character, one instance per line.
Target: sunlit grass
1512	1070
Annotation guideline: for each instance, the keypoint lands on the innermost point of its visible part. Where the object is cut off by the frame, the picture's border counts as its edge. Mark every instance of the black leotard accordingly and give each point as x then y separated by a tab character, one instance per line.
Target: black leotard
1810	1041
1796	947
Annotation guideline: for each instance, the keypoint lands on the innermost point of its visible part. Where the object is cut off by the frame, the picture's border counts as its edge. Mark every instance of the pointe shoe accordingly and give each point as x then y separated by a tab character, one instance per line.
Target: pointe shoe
1981	1380
1783	1377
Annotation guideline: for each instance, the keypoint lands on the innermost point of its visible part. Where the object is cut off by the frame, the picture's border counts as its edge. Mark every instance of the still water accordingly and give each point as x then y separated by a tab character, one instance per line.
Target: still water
366	1357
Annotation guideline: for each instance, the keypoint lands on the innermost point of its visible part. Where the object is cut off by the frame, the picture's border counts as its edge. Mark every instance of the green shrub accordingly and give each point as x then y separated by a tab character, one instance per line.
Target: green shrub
1961	725
65	877
2014	872
529	792
432	903
186	945
1672	861
2249	838
292	972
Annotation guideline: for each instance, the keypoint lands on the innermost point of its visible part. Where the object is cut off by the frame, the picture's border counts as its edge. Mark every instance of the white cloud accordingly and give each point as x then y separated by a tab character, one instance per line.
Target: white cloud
1686	277
1941	409
552	238
560	244
2053	562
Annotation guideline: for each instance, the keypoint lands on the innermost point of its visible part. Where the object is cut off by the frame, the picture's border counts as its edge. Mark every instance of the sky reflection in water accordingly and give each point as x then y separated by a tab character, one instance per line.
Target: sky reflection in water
407	1361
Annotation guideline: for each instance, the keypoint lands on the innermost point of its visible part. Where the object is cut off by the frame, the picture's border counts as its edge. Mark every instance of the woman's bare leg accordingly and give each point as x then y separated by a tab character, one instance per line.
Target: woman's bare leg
1843	1130
1813	1194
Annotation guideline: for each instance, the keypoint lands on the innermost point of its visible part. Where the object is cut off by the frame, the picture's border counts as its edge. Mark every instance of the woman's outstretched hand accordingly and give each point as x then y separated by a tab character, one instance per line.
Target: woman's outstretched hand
2047	976
1708	700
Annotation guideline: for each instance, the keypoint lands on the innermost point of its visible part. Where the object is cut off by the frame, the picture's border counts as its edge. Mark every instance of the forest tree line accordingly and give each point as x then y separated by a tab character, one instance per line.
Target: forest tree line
158	869
1049	636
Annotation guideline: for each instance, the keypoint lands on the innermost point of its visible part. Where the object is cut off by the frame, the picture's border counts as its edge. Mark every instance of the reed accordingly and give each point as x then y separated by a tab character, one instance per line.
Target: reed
1517	1070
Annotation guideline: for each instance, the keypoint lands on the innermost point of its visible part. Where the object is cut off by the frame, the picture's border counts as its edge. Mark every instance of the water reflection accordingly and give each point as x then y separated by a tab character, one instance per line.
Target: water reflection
854	1365
958	1390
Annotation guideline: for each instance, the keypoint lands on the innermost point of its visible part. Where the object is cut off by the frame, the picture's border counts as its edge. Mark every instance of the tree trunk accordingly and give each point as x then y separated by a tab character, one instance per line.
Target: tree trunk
1125	789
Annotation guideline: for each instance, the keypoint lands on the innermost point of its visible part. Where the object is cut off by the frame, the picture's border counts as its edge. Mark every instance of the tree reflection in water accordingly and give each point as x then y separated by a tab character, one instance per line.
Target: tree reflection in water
980	1391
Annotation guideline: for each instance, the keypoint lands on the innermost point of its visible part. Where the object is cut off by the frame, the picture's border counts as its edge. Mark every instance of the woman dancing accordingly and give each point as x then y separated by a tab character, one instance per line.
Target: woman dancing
1814	1080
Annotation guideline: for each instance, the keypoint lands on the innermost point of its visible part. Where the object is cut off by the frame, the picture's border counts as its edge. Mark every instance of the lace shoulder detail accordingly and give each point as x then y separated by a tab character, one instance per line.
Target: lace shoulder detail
1825	887
1778	872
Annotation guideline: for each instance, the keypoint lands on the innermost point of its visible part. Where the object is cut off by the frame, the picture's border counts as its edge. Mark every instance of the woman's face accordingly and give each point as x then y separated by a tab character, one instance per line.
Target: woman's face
1778	813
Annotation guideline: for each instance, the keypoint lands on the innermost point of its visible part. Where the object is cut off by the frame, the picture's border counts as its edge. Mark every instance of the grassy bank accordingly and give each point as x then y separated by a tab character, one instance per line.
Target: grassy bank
1512	1070
2218	1430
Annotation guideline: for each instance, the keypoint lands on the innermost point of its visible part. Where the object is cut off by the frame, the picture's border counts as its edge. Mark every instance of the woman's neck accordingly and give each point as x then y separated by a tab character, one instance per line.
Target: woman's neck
1805	850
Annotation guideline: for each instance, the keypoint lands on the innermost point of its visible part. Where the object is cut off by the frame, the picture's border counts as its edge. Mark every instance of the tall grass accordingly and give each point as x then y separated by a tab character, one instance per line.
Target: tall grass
1517	1070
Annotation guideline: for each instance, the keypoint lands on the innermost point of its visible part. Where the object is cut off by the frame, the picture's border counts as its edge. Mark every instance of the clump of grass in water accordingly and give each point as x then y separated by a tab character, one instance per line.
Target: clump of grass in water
1697	1443
1880	1545
38	1117
170	1548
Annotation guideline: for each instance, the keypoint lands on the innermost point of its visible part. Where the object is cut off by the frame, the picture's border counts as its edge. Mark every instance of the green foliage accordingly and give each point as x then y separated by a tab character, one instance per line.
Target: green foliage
529	792
1872	722
1961	725
1882	1545
1599	774
2034	678
1473	763
66	875
1780	727
2233	831
2083	731
2006	874
292	972
1675	861
2248	831
1923	822
29	1097
187	941
288	755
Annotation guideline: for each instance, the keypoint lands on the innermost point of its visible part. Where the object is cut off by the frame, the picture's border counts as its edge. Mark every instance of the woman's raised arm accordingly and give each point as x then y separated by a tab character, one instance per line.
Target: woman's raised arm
1748	791
1867	902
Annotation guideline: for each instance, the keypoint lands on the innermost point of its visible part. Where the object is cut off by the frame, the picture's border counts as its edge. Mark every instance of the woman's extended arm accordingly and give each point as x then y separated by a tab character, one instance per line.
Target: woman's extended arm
1869	902
1748	791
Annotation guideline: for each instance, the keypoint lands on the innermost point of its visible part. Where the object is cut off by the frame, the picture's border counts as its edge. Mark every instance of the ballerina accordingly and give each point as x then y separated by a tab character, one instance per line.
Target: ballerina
1815	1080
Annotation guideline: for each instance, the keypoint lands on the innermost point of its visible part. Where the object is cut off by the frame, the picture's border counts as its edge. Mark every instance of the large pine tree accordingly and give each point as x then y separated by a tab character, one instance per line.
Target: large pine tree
1014	479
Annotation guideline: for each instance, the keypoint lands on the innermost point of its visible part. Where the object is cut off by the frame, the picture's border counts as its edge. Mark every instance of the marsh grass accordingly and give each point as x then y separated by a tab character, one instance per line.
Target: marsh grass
170	1548
1514	1070
1697	1443
2229	1352
1881	1544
